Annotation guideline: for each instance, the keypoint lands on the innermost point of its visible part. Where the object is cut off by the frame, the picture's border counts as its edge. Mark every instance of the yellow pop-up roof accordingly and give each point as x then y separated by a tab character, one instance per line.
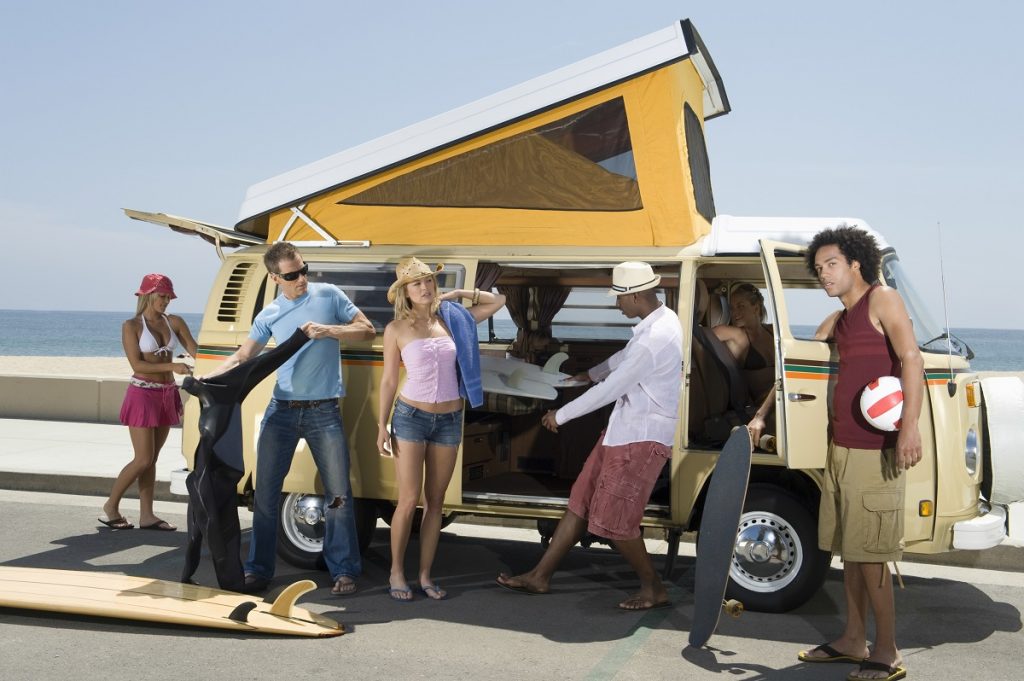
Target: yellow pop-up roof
606	152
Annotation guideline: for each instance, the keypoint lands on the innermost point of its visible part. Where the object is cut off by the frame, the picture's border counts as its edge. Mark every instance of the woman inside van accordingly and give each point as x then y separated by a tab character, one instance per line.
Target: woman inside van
151	403
746	307
435	338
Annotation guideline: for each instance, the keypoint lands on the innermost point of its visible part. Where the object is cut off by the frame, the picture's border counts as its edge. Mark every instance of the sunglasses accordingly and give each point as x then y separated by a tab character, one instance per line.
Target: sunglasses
292	276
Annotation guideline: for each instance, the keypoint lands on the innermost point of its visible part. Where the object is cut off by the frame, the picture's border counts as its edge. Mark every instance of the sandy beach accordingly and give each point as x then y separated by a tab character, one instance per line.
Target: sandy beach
96	367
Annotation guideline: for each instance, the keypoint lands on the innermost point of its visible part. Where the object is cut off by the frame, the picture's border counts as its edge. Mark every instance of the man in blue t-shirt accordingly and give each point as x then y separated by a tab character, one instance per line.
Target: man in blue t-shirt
304	405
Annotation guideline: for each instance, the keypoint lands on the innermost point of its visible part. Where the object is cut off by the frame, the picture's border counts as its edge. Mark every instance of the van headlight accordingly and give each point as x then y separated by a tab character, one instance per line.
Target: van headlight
971	451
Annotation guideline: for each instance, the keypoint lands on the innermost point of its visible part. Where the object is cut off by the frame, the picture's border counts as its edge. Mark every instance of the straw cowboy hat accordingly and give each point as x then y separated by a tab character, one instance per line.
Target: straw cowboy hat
633	277
409	270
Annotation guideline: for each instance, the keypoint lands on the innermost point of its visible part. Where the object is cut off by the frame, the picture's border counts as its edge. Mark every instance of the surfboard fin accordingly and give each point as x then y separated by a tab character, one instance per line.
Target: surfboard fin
282	605
554	363
241	612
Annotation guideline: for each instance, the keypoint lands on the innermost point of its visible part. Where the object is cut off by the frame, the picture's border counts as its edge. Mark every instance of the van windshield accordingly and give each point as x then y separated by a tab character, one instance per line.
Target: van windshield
931	337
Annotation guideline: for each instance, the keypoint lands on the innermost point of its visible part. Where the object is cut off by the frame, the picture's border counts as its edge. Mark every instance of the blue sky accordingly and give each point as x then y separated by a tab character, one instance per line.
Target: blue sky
904	114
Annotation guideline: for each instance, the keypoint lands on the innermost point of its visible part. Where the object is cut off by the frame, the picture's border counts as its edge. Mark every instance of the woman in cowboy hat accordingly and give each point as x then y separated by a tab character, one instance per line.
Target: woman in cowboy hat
151	403
436	340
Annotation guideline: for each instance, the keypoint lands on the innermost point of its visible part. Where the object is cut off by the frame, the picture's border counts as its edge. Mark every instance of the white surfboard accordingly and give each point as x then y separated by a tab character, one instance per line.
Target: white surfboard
513	376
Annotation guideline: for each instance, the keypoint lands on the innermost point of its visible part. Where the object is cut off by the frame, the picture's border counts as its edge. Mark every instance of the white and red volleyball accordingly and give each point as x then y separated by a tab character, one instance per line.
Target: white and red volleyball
881	402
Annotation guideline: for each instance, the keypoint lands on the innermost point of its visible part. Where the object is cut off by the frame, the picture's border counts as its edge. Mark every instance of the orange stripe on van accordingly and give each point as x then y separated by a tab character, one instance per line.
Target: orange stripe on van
807	375
363	362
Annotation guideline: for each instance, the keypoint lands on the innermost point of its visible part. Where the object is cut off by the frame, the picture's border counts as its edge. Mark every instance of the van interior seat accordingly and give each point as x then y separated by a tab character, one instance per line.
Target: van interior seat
716	384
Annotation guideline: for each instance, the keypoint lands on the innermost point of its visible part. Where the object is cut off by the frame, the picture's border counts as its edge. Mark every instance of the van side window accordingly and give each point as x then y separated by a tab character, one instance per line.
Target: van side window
700	168
366	285
589	313
581	162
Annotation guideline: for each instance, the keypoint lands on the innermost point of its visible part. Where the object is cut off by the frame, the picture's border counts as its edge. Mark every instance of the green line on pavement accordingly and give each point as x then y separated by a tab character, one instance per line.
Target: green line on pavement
622	652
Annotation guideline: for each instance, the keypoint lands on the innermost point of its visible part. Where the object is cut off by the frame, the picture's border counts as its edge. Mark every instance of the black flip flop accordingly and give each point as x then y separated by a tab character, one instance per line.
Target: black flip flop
117	523
653	606
160	526
520	589
895	672
831	655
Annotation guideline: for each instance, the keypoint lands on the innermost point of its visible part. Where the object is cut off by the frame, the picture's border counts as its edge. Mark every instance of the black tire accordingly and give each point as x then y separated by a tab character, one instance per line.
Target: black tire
546	528
300	528
777	565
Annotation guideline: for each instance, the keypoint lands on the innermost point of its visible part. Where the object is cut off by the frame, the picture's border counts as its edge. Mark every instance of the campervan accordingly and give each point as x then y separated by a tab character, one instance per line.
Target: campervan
538	192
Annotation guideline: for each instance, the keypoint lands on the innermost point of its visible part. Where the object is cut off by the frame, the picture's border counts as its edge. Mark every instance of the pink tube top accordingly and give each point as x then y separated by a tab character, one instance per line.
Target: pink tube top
430	370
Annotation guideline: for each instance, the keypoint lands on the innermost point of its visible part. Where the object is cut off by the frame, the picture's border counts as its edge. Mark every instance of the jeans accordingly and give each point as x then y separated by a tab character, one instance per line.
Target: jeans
323	431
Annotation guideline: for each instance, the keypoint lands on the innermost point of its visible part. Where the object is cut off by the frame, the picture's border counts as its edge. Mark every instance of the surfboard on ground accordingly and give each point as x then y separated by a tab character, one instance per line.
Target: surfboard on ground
105	594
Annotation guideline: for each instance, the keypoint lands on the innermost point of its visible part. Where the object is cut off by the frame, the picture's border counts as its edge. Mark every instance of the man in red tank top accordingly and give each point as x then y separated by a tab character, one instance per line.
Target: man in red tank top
861	515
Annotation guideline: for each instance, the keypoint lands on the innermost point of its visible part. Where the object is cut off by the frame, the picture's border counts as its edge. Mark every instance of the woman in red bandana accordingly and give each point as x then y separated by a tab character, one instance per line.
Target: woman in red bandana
151	403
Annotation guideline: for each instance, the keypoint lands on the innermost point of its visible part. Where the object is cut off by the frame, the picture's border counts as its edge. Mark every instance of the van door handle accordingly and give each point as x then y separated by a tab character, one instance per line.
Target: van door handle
801	397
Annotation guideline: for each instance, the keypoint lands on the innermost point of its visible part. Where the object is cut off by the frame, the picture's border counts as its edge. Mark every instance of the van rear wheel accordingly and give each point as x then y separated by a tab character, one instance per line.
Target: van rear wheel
777	565
300	531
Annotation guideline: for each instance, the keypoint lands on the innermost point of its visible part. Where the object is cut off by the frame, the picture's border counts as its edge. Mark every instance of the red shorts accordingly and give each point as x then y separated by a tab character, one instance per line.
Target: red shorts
151	407
614	486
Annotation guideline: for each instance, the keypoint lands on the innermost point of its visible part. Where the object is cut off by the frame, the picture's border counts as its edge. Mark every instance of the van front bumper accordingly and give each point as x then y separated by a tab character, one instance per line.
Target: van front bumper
1015	524
178	482
982	532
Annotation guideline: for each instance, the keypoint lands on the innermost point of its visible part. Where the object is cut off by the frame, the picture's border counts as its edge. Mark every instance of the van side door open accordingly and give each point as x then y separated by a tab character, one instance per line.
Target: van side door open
806	367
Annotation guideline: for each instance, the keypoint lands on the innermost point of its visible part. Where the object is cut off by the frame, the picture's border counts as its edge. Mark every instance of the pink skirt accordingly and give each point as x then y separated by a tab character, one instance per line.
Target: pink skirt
149	406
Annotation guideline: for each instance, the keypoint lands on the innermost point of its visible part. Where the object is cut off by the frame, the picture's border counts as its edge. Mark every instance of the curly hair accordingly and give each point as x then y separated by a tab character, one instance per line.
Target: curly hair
854	244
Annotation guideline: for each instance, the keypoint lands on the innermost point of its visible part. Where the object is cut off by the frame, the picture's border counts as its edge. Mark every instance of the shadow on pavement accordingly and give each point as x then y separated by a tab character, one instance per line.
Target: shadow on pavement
579	609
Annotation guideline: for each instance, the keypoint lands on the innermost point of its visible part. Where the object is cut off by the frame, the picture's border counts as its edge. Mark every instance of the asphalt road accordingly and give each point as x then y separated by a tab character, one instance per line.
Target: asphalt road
954	622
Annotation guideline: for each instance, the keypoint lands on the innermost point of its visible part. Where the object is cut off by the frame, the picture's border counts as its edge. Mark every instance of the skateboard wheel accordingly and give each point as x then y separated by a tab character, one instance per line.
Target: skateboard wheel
732	607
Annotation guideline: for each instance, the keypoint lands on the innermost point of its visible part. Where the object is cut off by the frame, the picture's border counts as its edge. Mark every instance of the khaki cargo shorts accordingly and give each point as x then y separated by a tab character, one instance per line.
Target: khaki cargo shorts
861	514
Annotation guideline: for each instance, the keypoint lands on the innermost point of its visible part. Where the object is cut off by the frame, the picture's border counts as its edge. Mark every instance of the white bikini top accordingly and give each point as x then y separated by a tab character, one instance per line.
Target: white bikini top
148	342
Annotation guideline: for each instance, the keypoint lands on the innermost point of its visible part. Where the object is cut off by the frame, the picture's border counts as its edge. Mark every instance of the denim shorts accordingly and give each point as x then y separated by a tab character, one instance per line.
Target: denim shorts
415	425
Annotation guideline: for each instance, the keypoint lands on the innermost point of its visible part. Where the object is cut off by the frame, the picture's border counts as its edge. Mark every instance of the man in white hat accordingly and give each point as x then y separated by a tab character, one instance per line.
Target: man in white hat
608	498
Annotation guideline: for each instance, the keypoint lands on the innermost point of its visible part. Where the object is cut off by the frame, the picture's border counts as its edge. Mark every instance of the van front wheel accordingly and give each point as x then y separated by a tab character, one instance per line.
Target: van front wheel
777	565
300	532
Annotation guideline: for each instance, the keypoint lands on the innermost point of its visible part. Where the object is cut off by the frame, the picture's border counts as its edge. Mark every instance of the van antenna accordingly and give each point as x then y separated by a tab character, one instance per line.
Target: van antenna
950	385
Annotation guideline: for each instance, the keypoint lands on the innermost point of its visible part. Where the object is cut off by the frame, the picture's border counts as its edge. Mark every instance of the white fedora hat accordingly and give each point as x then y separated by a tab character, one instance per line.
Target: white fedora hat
632	277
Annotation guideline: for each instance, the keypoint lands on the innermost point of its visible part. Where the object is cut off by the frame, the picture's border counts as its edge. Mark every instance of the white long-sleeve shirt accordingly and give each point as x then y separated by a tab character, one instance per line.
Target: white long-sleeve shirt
644	379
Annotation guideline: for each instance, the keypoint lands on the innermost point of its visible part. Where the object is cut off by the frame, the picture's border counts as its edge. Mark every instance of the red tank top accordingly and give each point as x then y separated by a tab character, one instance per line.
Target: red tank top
865	353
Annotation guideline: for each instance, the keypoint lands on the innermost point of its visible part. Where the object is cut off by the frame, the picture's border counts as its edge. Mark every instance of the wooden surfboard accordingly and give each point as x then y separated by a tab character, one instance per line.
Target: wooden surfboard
106	594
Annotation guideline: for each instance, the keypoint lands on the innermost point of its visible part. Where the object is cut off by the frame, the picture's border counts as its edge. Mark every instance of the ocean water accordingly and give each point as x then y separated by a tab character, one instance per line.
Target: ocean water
98	334
69	334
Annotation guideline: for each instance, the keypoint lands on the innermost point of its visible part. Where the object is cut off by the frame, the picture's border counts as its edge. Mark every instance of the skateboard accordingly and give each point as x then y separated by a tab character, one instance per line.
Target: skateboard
717	539
105	594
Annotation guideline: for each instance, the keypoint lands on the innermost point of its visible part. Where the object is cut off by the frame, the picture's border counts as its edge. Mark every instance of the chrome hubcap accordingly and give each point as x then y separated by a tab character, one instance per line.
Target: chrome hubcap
302	518
768	554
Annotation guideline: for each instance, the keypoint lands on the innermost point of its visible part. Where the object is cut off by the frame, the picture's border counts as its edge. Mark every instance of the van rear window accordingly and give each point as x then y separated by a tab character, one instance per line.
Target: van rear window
581	162
366	285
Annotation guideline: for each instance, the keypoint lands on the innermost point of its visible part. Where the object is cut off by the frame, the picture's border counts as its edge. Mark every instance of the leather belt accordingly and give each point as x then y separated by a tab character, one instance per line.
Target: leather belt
306	404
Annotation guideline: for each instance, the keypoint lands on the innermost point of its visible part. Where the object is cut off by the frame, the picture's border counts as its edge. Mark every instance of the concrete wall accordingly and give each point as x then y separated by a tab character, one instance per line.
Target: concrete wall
63	398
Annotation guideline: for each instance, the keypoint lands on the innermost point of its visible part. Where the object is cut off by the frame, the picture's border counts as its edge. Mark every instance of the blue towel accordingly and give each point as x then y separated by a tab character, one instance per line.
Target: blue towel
467	350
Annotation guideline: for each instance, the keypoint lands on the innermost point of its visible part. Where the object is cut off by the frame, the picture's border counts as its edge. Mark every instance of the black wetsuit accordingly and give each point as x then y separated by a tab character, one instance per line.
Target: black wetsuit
218	466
